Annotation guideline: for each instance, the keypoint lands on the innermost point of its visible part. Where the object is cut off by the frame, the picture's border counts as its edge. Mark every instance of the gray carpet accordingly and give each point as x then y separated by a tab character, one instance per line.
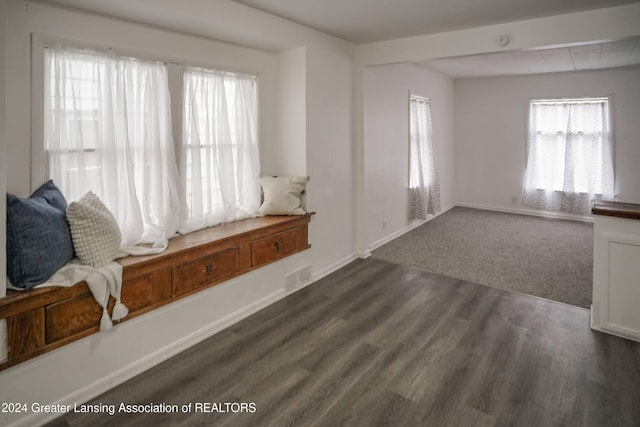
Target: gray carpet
548	258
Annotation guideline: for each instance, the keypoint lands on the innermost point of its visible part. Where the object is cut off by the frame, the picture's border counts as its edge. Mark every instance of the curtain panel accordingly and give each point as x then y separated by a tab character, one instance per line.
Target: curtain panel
220	160
108	129
424	185
570	155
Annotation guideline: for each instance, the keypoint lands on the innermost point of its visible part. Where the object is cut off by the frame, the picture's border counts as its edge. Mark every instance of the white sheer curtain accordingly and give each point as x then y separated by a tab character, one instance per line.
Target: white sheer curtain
424	185
570	155
220	160
108	130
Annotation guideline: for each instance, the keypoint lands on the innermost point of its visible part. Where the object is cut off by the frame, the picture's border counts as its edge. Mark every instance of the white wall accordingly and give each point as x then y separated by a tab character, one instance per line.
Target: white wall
289	143
330	153
322	148
386	151
491	119
220	20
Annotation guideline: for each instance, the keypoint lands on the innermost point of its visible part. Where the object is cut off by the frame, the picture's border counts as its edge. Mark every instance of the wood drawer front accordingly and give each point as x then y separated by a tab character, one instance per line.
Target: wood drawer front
70	317
276	246
136	294
76	315
25	332
205	270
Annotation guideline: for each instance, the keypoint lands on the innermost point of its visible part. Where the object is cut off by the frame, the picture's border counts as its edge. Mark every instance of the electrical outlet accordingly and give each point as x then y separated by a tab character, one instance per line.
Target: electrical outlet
384	224
514	200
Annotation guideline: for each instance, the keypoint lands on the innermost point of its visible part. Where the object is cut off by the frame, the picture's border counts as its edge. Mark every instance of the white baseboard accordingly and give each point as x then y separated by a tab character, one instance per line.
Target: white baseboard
626	334
414	224
524	211
333	267
140	365
386	239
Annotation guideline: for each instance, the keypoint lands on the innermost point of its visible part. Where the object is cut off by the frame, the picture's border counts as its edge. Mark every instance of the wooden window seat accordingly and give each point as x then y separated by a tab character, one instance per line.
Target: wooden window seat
43	319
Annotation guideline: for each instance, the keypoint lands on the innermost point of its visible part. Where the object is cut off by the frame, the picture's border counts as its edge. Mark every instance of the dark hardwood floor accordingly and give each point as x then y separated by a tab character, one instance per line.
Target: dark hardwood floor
382	344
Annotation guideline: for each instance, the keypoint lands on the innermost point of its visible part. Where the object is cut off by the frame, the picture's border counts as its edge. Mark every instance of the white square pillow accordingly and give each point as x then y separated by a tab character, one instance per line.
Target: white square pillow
282	195
94	230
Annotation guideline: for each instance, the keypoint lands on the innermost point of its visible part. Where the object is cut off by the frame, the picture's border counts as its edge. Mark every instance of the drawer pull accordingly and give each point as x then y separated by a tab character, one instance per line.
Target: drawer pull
276	246
209	268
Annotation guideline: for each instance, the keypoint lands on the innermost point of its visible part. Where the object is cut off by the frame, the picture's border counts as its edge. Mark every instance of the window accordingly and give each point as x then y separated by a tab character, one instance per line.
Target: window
220	161
570	160
71	109
107	129
424	187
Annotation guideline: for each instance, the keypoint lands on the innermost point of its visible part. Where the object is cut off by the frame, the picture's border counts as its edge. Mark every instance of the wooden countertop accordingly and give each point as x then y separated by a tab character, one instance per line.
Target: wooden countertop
617	209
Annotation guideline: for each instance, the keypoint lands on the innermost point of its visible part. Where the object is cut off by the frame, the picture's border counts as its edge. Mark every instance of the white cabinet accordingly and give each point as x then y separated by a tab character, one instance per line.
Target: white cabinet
616	271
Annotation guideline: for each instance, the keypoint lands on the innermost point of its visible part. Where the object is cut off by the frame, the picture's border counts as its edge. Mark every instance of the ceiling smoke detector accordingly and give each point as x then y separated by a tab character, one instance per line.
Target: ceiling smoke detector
502	40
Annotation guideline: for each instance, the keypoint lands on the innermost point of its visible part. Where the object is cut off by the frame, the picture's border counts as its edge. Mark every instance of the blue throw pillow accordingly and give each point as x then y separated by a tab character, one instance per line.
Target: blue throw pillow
38	236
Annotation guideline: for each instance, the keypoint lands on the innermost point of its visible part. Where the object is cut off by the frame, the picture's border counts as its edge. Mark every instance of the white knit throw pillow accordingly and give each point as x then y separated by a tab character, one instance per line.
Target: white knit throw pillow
95	233
282	195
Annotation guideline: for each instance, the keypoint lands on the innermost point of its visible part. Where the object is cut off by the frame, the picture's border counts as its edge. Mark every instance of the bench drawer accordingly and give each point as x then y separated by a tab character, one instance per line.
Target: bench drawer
73	316
276	246
76	315
205	270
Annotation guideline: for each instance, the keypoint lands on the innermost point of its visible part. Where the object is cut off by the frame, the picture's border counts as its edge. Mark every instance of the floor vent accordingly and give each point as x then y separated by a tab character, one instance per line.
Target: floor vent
298	279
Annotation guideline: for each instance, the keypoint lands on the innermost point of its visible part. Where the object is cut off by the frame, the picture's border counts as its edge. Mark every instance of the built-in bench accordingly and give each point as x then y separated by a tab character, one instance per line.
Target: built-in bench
43	319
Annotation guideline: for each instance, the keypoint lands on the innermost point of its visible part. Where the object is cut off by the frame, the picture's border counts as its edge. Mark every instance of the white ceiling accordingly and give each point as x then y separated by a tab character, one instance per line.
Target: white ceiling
366	21
619	53
363	21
